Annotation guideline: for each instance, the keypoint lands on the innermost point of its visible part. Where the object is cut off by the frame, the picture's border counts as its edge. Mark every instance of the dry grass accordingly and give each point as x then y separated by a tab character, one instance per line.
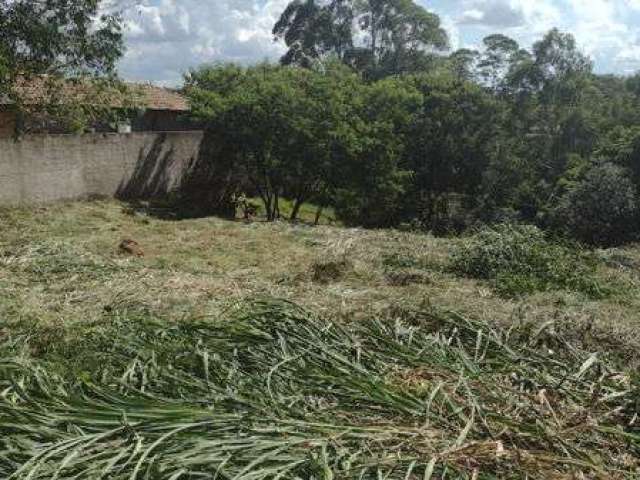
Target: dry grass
60	268
520	369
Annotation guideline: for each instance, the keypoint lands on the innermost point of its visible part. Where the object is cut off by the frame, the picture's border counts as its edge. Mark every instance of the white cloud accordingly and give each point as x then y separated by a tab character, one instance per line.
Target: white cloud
633	4
492	13
167	37
603	30
523	15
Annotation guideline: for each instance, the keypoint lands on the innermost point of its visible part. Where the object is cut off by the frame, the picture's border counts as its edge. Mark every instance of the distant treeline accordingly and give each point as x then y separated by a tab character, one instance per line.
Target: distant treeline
371	117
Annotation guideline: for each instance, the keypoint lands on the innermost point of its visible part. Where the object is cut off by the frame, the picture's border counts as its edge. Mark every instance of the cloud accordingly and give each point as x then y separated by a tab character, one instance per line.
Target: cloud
604	31
167	37
493	13
524	20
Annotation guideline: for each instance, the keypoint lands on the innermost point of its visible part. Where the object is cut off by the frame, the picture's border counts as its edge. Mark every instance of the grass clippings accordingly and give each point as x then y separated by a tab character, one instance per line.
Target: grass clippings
274	391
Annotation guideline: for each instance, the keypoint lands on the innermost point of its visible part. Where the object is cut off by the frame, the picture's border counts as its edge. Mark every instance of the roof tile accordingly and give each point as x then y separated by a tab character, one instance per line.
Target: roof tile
41	90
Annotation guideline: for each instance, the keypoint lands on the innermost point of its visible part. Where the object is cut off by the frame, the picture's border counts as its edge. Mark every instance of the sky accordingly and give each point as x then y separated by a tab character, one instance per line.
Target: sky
167	37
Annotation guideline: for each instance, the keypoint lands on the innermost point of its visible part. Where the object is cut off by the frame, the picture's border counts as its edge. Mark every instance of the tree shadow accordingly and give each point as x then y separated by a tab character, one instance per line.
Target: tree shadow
165	186
155	172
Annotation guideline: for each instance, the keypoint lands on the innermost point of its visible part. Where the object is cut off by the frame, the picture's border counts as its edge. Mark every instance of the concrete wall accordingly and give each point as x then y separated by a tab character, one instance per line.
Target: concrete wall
47	168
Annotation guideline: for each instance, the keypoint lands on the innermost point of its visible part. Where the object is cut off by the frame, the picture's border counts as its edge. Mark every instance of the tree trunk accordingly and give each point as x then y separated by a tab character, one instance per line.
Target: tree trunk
276	207
296	209
267	208
318	215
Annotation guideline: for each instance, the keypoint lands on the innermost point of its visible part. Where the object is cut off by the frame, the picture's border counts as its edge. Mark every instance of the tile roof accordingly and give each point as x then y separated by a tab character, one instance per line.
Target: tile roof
41	90
157	98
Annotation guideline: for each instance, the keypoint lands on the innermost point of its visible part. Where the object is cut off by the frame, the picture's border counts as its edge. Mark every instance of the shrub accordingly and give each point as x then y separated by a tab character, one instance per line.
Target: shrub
519	259
601	209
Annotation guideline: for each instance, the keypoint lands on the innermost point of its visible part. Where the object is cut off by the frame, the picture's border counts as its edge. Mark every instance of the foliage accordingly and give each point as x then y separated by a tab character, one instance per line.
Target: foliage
406	137
56	40
264	122
447	147
374	180
378	38
622	147
57	37
519	259
601	209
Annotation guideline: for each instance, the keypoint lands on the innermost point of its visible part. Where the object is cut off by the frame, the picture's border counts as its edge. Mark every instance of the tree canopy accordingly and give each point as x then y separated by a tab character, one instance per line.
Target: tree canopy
370	114
376	37
56	40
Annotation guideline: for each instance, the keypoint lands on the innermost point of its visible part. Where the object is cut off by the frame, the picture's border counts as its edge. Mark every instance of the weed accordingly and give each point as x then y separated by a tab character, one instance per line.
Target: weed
519	259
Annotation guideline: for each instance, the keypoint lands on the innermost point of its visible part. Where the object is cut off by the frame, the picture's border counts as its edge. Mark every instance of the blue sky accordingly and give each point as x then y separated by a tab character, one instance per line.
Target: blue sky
166	37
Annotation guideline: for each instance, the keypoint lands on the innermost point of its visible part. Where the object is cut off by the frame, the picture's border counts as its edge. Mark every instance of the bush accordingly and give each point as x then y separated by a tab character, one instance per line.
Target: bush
601	209
519	259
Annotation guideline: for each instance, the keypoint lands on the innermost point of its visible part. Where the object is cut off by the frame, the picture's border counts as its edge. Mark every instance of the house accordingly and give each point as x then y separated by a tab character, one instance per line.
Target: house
134	107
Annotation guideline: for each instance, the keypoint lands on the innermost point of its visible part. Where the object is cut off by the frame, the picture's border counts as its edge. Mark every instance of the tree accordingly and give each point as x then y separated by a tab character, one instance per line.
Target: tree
548	118
312	30
497	60
377	37
601	209
59	39
622	147
501	134
324	117
448	146
463	64
373	179
285	130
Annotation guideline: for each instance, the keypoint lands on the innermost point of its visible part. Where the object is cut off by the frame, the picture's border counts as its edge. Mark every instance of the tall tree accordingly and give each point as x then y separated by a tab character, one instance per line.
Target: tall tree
377	37
448	146
550	113
312	29
463	64
497	60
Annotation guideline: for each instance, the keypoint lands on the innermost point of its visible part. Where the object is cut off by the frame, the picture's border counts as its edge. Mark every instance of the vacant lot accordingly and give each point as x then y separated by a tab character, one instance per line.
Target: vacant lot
60	269
509	387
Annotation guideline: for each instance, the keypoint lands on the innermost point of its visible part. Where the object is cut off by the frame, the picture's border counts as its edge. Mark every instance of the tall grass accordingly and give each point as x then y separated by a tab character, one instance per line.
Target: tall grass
274	392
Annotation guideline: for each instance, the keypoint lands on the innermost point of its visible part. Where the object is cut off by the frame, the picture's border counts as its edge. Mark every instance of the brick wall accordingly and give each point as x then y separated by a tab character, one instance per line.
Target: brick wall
47	168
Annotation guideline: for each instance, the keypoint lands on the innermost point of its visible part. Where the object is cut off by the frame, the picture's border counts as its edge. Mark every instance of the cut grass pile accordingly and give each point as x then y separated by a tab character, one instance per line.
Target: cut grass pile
519	259
272	391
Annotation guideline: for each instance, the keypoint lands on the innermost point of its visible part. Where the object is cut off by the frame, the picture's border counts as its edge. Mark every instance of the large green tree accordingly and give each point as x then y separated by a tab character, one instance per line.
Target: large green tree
377	37
373	180
499	56
56	40
447	148
283	132
313	30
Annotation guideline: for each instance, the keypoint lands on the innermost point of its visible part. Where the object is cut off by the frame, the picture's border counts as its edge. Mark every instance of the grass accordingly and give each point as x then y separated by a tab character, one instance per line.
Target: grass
520	260
172	365
307	213
273	391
